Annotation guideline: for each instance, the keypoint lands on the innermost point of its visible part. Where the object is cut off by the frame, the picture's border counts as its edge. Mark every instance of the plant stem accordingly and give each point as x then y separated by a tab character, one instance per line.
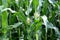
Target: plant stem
36	36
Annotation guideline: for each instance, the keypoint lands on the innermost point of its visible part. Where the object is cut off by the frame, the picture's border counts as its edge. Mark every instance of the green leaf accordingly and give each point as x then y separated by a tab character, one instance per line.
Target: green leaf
35	4
0	2
21	16
4	2
4	21
45	7
0	19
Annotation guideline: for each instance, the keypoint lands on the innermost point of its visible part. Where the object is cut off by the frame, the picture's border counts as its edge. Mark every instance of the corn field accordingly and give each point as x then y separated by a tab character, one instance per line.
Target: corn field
29	19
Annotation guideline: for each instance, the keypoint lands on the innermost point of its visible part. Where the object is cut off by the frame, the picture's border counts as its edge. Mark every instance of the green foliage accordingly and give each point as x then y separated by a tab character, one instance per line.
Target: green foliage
29	20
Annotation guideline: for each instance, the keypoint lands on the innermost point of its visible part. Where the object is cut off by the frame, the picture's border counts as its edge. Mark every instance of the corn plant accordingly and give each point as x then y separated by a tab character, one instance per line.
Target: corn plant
29	19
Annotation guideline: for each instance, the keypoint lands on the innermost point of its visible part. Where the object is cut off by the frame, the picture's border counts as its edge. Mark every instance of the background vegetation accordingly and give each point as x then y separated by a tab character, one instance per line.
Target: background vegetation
29	19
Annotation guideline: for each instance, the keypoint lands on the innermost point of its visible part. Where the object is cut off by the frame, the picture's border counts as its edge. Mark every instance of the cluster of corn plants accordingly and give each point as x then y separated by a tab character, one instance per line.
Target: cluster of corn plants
29	19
